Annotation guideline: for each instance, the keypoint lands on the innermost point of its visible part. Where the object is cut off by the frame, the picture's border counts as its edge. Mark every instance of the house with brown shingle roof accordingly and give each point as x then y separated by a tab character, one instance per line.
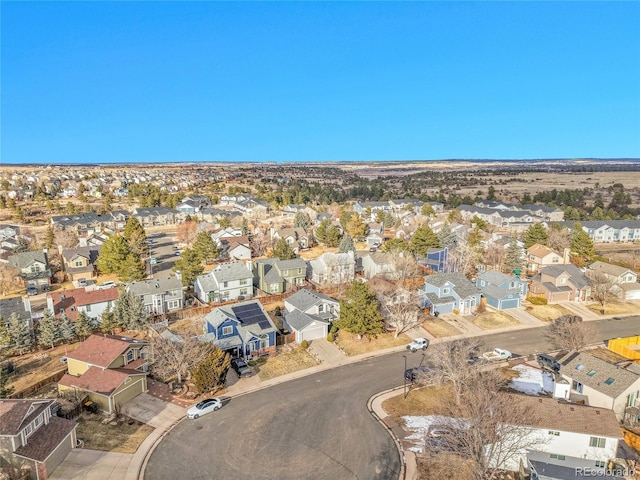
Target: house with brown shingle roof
111	369
32	438
235	248
71	302
81	262
539	256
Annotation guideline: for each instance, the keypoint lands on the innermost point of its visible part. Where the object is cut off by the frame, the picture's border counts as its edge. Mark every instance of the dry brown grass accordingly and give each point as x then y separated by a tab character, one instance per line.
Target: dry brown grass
419	401
490	320
286	362
120	438
316	251
439	328
548	313
613	308
350	344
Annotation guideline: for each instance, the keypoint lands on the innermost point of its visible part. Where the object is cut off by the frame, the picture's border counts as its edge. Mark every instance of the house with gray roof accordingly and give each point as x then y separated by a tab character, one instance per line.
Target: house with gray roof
309	314
332	268
561	283
500	290
377	263
599	383
243	329
18	306
154	216
623	281
449	292
80	262
159	295
228	281
605	231
33	268
274	276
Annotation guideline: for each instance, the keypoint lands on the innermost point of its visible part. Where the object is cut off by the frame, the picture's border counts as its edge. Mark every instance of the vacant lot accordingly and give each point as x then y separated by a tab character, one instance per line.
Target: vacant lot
490	320
123	437
439	328
286	362
351	345
547	313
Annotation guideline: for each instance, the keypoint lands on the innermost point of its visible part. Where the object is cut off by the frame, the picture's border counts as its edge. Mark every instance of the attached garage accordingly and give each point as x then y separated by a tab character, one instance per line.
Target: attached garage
306	327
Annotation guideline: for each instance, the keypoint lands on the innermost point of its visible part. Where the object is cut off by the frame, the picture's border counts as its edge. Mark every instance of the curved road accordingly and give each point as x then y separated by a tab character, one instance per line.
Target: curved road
316	427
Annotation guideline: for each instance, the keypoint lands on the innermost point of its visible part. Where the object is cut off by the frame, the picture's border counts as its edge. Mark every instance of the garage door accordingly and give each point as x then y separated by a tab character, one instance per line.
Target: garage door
313	332
510	303
632	295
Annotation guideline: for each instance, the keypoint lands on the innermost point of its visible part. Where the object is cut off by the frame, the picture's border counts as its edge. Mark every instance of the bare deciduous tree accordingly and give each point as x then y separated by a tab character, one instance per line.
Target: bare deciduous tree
260	243
559	238
9	279
187	232
404	267
603	288
570	332
66	239
494	256
401	315
463	259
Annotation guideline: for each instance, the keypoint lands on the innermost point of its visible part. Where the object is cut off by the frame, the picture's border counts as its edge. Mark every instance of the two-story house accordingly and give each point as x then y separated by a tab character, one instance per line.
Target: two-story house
296	237
235	248
540	256
228	281
502	291
92	302
309	314
274	276
332	268
624	281
561	283
32	438
33	268
377	263
81	262
110	369
153	216
17	306
159	295
449	292
244	329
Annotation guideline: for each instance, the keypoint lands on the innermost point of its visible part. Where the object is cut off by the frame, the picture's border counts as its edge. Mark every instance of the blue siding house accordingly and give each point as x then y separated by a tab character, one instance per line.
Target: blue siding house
243	329
446	292
502	291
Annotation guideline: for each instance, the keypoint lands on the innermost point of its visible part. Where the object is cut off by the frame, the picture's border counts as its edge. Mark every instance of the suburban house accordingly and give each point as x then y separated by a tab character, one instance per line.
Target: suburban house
501	291
377	263
598	383
291	210
87	224
80	262
361	208
332	268
235	248
243	329
624	281
540	256
374	239
400	204
153	216
228	281
228	232
548	214
297	238
274	276
159	295
309	314
247	204
561	283
92	302
33	268
19	306
110	369
449	292
193	204
32	438
604	231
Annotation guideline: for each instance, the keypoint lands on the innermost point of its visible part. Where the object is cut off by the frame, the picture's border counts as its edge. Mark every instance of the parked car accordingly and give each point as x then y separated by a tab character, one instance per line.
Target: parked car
241	367
547	362
205	406
32	290
418	344
177	254
414	374
105	285
82	282
497	354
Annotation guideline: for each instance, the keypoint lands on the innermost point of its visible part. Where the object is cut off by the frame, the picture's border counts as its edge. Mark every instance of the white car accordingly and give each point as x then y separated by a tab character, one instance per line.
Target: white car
418	344
205	406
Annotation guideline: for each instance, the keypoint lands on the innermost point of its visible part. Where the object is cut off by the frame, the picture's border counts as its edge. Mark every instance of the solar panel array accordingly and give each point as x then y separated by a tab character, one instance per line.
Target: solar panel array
250	315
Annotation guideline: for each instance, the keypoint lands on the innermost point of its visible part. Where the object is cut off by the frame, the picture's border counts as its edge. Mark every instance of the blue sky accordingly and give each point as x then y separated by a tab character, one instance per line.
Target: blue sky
86	82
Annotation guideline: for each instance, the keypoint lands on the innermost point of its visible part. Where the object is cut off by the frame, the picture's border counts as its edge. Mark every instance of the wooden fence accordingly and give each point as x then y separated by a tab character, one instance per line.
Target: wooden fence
33	388
285	339
204	309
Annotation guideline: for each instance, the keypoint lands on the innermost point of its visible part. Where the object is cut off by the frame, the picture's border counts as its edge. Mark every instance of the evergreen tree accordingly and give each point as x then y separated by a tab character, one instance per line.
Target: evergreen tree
346	245
302	220
282	250
536	233
108	322
136	238
5	391
132	269
244	228
49	330
327	233
67	328
205	247
189	265
224	222
514	259
446	236
581	245
380	217
20	337
395	245
360	311
211	373
50	238
423	239
113	253
4	332
84	325
427	210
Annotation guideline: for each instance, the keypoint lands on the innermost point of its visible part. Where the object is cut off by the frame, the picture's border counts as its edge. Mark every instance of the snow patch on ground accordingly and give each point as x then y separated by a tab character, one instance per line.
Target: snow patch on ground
531	380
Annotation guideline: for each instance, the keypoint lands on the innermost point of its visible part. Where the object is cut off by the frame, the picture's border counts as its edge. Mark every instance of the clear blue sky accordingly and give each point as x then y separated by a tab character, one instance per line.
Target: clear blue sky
305	81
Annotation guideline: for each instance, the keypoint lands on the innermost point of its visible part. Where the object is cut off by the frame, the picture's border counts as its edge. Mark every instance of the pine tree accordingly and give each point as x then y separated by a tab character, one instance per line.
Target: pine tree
536	233
205	247
282	250
302	220
395	245
446	236
113	253
189	265
514	256
211	373
108	322
50	238
244	227
356	227
423	239
49	330
4	379
360	311
84	325
20	337
581	245
67	328
130	312
132	269
427	210
346	245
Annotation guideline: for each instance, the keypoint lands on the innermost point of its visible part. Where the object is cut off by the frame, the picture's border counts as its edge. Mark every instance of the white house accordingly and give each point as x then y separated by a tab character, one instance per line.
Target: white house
333	268
309	314
624	281
228	281
377	263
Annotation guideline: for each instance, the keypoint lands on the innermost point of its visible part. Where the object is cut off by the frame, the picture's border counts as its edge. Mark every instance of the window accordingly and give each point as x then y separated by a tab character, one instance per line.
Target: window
299	270
244	282
556	260
264	342
227	330
244	291
591	373
445	291
321	308
130	356
562	281
554	432
597	442
225	284
173	304
37	421
78	262
274	287
557	457
609	380
600	463
88	307
28	430
577	386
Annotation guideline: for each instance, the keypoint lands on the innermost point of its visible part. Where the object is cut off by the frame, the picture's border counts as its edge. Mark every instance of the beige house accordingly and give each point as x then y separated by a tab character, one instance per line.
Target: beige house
80	262
110	369
624	282
539	256
561	283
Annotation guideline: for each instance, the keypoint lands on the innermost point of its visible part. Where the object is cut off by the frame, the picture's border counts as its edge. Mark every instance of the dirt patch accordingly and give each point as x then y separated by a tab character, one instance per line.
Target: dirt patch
548	313
286	362
439	328
123	437
614	308
351	345
490	320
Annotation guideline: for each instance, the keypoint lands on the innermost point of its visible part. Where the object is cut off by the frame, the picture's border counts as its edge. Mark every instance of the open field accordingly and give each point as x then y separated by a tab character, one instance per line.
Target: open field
350	344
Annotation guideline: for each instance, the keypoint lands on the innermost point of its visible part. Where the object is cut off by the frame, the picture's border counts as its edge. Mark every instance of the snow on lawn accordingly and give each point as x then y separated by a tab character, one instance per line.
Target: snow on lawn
419	427
532	381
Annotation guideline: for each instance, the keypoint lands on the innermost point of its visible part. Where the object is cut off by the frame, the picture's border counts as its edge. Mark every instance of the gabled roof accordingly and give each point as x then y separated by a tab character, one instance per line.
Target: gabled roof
13	305
577	277
229	243
304	299
230	271
154	286
103	350
461	284
46	439
298	320
99	380
251	318
497	292
609	269
495	277
15	414
291	263
24	259
541	250
77	297
597	374
90	253
380	258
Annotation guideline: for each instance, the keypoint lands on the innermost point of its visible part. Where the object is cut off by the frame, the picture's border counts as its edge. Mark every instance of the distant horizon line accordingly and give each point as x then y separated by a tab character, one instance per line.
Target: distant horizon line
284	162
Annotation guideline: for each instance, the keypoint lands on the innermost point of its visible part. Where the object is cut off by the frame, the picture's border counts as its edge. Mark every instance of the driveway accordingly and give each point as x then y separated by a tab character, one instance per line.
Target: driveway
83	464
153	411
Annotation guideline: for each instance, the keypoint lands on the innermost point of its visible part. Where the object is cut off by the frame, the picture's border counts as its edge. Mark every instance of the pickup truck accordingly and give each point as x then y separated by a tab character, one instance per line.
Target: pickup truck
497	354
417	344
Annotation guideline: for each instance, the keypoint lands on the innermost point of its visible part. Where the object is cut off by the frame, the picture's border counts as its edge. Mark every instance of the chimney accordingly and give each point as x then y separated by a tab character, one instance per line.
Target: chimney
566	256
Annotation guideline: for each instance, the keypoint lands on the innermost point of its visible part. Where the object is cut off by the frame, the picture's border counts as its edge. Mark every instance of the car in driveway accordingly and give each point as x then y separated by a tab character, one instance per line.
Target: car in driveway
82	282
32	290
205	406
241	367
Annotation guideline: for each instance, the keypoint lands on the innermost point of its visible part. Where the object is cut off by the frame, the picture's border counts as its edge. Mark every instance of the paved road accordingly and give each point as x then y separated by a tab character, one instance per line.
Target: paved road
316	427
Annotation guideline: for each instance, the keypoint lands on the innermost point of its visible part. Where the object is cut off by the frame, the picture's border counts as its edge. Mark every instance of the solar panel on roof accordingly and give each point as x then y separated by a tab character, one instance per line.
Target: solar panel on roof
264	324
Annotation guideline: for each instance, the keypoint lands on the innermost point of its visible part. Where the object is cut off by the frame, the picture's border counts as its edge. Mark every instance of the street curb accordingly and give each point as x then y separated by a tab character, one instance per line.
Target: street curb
143	465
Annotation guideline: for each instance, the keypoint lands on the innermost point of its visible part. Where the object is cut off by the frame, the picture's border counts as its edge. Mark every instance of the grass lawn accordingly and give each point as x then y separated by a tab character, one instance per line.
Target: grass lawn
548	313
419	401
439	328
120	438
286	362
613	308
489	320
350	344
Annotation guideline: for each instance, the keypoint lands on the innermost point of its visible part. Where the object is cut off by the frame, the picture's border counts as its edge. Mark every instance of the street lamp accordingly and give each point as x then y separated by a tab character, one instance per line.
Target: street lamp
404	375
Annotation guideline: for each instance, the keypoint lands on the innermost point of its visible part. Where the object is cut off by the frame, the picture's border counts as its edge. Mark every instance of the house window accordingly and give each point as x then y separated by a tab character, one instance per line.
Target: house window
556	259
225	284
78	263
299	270
577	386
557	457
243	291
609	380
244	282
554	432
597	442
600	464
37	421
512	285
264	342
274	287
88	308
173	304
320	308
228	330
35	268
130	356
445	291
562	281
28	430
591	373
143	353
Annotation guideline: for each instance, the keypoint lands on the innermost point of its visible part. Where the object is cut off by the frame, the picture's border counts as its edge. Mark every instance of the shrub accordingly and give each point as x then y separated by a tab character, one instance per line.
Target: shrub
481	308
537	300
304	344
277	311
330	338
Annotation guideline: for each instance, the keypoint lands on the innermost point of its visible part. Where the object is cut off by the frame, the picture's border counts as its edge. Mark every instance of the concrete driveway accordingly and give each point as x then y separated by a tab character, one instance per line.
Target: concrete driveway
154	412
83	464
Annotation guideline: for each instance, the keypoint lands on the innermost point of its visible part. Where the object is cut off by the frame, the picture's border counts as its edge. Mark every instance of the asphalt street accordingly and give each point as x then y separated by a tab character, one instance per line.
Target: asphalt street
316	427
